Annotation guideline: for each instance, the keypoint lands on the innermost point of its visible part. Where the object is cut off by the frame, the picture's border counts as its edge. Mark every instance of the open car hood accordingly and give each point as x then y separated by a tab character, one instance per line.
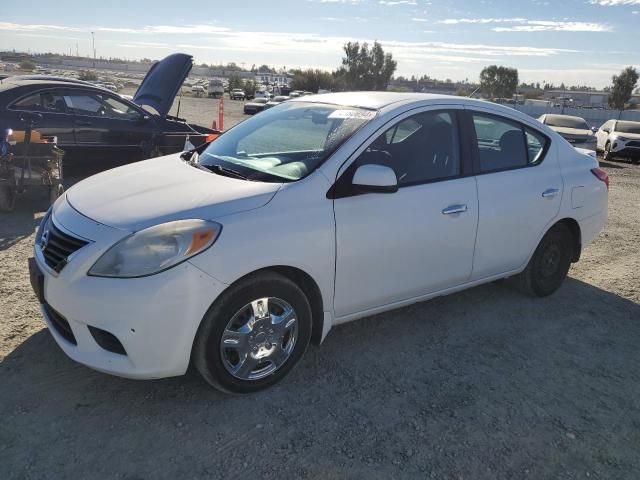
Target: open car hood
163	81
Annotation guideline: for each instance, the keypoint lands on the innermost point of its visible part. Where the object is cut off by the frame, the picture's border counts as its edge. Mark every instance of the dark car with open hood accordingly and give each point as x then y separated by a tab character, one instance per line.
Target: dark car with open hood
97	128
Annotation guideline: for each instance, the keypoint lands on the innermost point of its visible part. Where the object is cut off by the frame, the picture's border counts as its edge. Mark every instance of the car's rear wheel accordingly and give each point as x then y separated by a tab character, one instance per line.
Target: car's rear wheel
549	264
254	334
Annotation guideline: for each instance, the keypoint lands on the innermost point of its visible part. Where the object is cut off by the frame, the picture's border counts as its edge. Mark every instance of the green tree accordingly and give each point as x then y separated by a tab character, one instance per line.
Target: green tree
312	80
499	82
87	76
27	65
249	87
622	88
235	81
233	67
365	68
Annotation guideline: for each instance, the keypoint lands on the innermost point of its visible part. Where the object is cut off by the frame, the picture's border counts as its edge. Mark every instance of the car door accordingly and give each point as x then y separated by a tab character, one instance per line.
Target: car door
107	129
520	189
46	112
397	246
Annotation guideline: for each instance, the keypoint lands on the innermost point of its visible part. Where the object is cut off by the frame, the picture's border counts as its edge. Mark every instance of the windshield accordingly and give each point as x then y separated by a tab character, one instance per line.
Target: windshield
285	143
628	127
566	122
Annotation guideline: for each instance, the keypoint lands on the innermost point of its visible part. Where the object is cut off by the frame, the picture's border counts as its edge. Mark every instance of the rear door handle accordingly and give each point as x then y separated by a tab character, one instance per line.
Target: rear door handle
550	192
451	209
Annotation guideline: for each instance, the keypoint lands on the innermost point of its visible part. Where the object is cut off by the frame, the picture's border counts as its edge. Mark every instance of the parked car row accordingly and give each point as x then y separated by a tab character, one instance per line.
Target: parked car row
263	103
614	139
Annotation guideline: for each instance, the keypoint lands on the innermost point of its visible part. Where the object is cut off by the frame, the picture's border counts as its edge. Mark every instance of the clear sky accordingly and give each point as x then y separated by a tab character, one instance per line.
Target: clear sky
571	41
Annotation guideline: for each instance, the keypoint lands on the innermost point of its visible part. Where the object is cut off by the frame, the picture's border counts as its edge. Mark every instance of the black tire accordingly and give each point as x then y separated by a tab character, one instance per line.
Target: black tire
606	154
206	355
549	264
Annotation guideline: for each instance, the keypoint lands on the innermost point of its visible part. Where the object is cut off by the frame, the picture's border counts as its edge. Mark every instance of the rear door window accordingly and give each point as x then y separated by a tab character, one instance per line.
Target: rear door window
501	143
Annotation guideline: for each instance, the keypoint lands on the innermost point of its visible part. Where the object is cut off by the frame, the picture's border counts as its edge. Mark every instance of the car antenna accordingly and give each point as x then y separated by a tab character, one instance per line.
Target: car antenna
473	93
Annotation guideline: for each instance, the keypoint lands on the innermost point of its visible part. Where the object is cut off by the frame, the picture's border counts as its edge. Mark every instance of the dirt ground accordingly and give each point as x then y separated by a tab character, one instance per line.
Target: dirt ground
484	384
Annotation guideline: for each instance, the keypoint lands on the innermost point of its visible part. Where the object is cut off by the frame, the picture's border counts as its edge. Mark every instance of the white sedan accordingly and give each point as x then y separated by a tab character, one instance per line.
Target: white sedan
316	212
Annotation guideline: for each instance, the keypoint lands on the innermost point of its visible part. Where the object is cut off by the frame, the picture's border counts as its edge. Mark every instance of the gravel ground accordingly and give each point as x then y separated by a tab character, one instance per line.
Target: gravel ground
484	384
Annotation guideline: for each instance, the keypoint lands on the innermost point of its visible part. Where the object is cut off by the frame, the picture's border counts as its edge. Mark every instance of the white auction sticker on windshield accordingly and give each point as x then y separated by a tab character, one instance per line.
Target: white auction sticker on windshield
364	114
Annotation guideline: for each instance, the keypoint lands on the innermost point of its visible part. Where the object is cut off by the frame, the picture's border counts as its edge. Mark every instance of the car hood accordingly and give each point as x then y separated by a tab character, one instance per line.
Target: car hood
163	189
573	133
162	82
631	136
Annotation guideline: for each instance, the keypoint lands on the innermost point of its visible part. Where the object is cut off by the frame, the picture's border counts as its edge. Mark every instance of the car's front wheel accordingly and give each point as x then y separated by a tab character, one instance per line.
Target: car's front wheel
607	151
254	334
549	264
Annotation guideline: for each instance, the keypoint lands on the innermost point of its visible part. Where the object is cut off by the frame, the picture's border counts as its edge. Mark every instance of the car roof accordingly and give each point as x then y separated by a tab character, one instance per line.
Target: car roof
379	100
15	82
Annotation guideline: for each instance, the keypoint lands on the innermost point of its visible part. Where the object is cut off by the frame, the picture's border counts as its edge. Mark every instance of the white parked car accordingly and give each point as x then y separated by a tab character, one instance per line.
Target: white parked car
198	91
262	93
318	211
619	138
574	130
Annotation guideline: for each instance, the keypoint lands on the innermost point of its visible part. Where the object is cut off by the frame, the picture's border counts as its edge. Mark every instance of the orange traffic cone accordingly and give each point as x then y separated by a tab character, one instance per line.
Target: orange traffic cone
213	125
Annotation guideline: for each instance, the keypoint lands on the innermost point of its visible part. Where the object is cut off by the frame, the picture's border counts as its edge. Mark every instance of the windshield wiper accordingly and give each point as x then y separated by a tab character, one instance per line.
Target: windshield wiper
227	172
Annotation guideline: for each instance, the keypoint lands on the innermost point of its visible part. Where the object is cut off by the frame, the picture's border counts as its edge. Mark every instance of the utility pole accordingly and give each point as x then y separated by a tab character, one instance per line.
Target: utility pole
93	44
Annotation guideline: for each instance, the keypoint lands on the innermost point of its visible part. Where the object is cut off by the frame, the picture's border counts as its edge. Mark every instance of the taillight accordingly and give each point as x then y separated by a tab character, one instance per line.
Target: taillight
601	175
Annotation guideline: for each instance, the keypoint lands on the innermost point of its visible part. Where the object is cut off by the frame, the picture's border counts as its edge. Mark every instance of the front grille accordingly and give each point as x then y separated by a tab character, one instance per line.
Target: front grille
57	246
633	144
60	324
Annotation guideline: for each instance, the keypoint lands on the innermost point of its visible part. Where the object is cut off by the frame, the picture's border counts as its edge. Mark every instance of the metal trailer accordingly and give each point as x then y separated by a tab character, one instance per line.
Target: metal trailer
26	165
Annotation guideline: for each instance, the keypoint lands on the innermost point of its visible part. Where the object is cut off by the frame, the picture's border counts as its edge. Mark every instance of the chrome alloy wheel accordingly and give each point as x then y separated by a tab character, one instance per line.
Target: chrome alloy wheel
259	338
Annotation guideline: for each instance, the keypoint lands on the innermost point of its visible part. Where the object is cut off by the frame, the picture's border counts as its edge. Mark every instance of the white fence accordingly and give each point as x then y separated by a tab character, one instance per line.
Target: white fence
594	117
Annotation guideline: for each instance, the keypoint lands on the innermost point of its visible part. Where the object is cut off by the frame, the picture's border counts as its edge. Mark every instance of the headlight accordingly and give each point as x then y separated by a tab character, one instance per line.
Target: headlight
156	249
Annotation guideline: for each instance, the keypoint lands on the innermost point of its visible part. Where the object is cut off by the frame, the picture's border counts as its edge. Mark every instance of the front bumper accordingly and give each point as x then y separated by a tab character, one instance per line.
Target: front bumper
154	318
621	150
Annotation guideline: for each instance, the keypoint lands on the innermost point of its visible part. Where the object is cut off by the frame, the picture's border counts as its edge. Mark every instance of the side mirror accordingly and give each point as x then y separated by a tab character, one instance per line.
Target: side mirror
371	178
594	129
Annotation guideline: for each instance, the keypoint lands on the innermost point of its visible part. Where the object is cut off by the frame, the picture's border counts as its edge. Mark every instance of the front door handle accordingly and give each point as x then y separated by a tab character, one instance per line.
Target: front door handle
550	192
451	209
